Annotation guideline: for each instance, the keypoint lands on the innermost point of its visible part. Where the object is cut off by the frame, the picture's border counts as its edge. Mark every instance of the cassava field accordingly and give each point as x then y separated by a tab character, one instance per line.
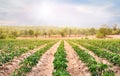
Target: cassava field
65	57
59	37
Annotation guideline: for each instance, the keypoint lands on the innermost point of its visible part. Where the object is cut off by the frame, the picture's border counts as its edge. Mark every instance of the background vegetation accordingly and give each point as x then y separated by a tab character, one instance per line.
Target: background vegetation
11	32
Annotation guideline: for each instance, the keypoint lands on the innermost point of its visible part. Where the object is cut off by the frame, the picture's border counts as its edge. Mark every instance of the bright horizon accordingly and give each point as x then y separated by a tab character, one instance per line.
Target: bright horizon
88	13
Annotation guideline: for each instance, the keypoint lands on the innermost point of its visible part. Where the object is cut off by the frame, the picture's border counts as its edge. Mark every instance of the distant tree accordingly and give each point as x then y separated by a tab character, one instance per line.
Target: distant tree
44	33
36	34
101	33
92	31
65	31
25	32
3	36
87	32
115	27
118	31
50	32
84	32
105	30
70	32
31	32
81	31
12	36
108	31
1	31
14	33
75	31
62	34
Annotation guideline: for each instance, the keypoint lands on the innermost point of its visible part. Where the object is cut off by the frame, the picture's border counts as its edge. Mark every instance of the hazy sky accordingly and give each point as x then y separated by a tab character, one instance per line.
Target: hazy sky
82	13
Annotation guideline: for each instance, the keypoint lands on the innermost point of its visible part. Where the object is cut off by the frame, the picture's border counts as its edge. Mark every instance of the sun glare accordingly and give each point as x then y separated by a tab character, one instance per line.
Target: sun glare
43	10
46	9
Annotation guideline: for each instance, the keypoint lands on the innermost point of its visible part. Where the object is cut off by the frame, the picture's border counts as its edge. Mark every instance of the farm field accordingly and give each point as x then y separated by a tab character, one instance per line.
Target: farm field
66	57
59	38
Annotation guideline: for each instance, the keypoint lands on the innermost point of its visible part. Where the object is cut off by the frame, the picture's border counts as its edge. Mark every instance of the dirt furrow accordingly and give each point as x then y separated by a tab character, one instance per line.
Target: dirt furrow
75	66
98	59
116	69
10	67
45	64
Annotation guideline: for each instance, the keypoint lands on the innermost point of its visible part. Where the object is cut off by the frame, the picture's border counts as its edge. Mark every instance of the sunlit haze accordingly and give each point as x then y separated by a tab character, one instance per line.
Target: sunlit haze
88	13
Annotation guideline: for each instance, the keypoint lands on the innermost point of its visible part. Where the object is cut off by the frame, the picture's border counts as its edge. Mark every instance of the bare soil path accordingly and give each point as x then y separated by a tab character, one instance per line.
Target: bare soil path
9	68
45	64
116	69
75	66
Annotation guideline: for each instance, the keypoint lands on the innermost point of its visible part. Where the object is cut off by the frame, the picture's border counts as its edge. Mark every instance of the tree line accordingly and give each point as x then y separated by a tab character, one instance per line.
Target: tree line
13	32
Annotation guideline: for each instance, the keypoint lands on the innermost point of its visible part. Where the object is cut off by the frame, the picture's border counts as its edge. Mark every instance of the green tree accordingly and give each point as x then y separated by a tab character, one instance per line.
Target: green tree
50	32
36	34
31	32
15	33
115	29
70	32
92	31
101	33
62	34
3	36
44	33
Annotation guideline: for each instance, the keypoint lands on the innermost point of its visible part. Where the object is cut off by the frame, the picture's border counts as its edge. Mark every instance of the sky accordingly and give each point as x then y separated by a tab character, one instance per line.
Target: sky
79	13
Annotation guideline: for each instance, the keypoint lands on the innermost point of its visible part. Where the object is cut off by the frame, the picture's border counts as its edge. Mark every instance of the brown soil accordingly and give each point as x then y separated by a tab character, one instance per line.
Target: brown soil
75	66
71	37
116	69
8	68
114	36
45	64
